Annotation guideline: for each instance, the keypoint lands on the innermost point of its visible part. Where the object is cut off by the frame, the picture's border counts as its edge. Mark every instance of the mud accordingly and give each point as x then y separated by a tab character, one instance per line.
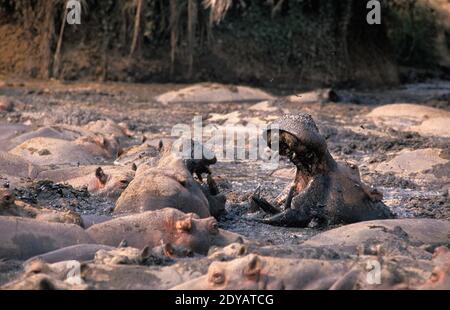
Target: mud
351	136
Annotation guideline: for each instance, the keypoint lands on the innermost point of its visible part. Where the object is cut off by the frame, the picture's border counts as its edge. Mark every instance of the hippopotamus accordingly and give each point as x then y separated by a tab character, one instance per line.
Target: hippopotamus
106	180
257	272
323	191
9	206
22	238
9	131
440	275
171	184
168	224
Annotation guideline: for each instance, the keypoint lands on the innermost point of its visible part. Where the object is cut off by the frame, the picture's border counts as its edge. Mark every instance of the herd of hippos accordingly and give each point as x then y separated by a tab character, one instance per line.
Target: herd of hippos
163	232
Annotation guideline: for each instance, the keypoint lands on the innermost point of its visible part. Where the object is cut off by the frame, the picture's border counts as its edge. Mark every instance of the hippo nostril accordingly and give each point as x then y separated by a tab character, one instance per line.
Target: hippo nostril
214	228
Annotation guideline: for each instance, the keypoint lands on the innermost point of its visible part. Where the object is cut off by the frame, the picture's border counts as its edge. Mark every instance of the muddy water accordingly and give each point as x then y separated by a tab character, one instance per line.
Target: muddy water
351	136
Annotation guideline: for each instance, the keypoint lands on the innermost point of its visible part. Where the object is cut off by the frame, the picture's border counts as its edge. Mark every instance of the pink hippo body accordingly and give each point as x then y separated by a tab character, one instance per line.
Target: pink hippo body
166	225
169	184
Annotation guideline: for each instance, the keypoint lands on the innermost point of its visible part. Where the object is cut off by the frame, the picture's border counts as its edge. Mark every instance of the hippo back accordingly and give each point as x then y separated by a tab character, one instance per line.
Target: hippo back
22	238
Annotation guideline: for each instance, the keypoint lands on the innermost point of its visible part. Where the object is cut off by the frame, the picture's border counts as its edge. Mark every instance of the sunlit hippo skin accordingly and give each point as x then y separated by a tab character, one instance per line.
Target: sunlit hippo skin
107	180
167	225
108	274
171	184
256	272
50	151
17	167
9	206
79	252
9	131
323	190
22	238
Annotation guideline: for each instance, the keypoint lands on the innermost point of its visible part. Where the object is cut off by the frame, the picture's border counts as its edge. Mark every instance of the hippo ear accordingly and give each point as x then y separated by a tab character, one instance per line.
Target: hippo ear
184	225
168	249
145	253
123	244
46	284
253	268
160	146
194	216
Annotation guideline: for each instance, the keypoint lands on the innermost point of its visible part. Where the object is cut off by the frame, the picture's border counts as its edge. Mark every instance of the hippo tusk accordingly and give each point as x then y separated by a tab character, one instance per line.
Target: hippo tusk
287	218
265	205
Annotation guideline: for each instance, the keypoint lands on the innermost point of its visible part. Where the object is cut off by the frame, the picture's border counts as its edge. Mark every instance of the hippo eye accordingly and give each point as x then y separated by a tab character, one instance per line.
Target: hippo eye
217	277
434	277
214	227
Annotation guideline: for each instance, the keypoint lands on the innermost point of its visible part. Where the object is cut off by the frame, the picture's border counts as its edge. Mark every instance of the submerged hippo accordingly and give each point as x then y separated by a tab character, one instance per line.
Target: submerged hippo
9	206
323	190
167	225
22	238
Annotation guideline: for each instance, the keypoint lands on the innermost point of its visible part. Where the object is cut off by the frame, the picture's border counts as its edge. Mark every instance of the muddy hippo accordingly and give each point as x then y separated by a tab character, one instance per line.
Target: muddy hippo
160	255
22	238
9	131
386	237
109	128
171	184
9	206
109	181
323	191
167	225
256	272
440	276
51	151
15	166
78	252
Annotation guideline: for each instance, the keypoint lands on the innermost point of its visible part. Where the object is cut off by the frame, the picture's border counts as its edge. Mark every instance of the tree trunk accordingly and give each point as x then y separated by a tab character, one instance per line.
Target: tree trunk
137	26
173	33
57	58
192	22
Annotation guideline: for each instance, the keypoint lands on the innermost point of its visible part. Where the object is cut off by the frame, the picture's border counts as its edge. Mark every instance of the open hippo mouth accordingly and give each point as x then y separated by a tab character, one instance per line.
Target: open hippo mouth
300	141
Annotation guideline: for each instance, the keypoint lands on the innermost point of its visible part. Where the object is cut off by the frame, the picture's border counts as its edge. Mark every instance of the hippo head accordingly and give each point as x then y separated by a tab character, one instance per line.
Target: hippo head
299	140
199	234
